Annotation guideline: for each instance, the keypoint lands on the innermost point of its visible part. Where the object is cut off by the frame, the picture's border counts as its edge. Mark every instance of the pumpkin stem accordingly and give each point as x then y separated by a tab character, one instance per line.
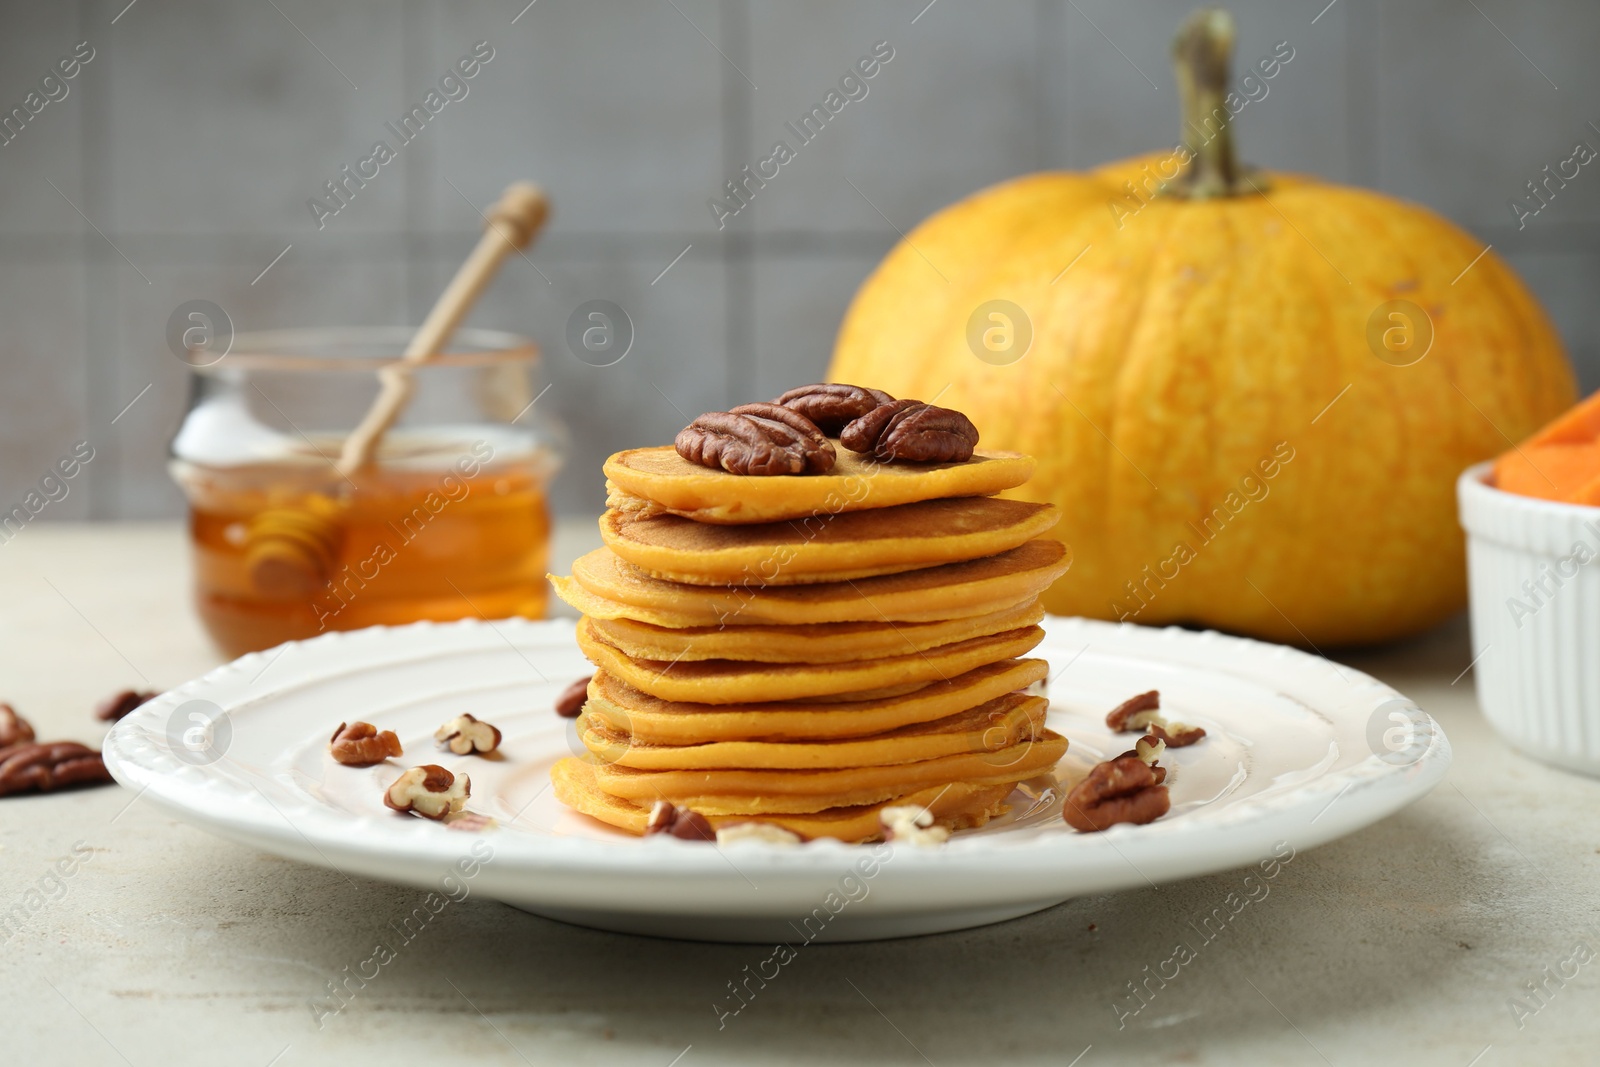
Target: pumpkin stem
1201	54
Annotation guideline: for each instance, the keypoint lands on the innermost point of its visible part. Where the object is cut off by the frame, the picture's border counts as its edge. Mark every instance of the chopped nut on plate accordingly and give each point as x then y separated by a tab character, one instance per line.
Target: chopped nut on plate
1144	712
359	744
668	818
765	832
467	733
911	824
1135	713
1149	749
430	791
1176	734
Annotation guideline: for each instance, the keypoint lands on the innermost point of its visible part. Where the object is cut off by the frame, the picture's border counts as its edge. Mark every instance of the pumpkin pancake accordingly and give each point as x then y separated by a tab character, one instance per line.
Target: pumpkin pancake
720	681
653	721
992	726
827	642
755	792
832	548
956	806
604	586
651	481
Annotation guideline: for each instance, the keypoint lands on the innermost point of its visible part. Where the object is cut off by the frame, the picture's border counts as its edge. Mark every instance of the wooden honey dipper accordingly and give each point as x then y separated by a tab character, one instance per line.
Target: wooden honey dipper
290	552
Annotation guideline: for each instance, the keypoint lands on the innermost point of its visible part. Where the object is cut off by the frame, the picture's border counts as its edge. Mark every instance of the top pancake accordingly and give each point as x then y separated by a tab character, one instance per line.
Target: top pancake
659	481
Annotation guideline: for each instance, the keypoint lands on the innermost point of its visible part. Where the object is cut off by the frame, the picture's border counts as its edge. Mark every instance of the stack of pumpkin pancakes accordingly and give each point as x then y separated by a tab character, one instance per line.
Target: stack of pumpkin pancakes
805	650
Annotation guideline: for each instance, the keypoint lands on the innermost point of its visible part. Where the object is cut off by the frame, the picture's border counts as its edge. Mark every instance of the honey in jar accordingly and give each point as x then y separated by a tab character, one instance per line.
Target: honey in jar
448	521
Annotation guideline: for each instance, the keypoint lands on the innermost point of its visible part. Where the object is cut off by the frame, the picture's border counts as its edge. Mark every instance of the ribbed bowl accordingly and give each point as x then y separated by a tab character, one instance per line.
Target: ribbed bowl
1534	571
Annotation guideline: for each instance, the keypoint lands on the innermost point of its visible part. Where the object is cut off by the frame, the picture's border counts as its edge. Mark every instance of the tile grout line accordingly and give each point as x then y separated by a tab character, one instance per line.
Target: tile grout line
250	252
1576	238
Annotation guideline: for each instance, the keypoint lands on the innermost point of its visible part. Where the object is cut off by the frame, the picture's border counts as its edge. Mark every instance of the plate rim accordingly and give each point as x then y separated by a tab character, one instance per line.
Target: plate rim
199	795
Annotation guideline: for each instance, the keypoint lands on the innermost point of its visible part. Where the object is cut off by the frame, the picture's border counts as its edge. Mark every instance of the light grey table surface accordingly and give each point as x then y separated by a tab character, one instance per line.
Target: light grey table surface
1410	942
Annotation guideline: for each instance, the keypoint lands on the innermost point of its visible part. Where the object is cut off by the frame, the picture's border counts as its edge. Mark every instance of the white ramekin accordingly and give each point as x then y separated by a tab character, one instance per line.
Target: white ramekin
1533	567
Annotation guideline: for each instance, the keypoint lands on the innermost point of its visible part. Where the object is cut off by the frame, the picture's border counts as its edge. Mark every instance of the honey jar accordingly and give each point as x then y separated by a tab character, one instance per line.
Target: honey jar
448	520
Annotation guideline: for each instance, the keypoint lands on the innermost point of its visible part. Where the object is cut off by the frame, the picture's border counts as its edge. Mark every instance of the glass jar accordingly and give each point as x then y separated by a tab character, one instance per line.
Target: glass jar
449	519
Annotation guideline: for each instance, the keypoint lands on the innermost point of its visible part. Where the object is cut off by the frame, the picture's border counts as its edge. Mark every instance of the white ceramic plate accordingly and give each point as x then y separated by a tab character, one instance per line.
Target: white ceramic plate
1301	751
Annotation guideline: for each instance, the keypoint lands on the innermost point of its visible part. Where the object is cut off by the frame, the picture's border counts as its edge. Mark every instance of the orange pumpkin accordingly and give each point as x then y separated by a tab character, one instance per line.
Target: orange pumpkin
1249	393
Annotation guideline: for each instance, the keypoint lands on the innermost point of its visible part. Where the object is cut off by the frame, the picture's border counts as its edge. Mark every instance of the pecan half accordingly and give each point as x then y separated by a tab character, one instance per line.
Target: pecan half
14	729
831	406
1125	789
1176	734
117	705
913	431
667	818
1135	713
569	705
467	733
429	791
48	766
361	745
756	439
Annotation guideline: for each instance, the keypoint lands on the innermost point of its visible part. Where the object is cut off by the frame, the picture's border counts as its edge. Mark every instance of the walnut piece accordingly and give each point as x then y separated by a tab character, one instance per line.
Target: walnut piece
667	818
359	744
1125	789
466	734
912	431
1135	713
755	830
831	406
911	824
51	765
14	729
762	439
569	705
117	705
429	791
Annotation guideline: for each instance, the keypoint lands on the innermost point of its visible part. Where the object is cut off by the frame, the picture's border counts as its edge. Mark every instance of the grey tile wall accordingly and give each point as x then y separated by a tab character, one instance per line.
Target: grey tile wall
949	113
180	162
1106	107
324	288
